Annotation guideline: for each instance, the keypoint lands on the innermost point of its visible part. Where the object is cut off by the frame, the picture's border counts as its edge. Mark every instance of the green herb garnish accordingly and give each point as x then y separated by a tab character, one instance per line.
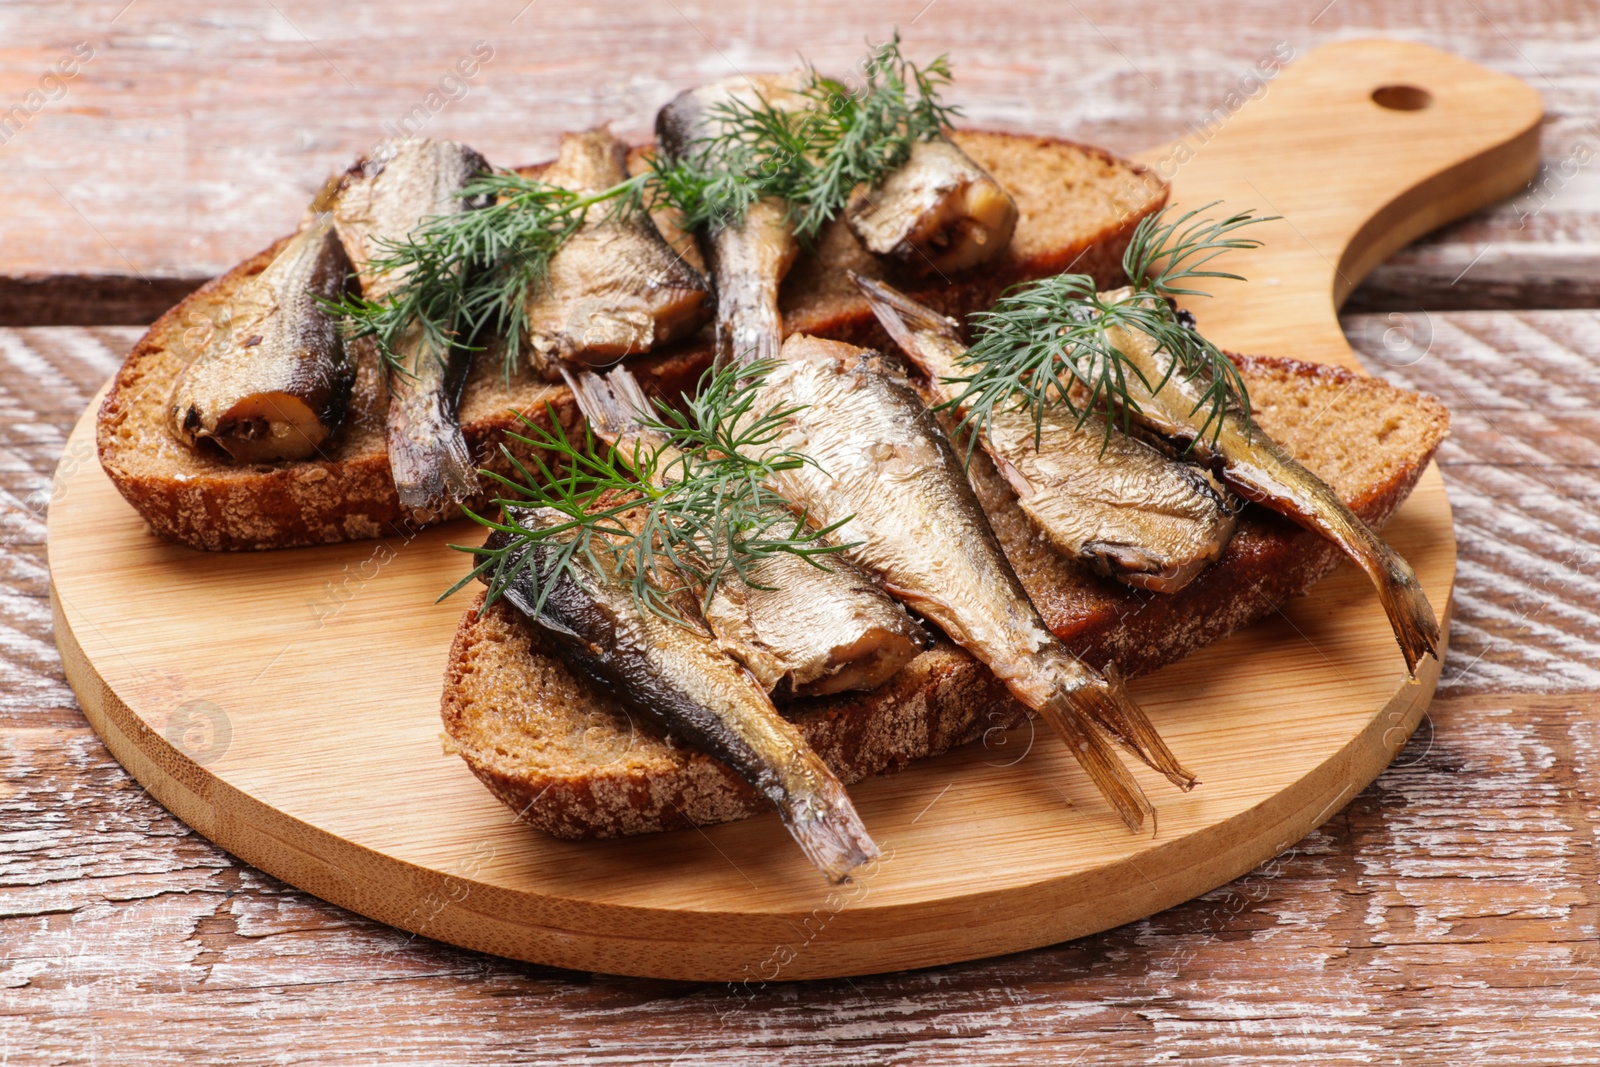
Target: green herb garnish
468	275
678	514
1044	338
812	157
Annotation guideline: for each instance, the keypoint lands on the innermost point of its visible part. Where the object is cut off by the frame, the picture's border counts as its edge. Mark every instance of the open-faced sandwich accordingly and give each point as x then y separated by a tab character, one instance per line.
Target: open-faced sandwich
816	438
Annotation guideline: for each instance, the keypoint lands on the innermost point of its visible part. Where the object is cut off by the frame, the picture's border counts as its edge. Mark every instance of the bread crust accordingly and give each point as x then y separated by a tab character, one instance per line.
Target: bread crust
574	765
208	502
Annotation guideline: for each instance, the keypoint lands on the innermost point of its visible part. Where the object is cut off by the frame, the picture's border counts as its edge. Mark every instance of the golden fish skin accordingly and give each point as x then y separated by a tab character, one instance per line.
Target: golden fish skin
382	199
275	385
813	631
678	676
748	261
1114	502
615	288
884	469
808	630
939	213
1261	470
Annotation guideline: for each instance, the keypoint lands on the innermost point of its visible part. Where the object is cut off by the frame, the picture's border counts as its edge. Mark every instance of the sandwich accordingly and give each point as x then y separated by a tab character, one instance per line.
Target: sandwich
806	440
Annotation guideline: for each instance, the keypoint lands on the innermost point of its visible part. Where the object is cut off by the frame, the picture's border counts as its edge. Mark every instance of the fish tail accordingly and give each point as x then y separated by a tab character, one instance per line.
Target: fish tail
826	825
1415	626
1412	618
327	197
903	317
1287	487
1106	702
1099	761
613	403
428	456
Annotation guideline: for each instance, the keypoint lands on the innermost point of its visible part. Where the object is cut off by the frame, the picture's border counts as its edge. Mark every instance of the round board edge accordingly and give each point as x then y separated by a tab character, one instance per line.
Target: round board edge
361	879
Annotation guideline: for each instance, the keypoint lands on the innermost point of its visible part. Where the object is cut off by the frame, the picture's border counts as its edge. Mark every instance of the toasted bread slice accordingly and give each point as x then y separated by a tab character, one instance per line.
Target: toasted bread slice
1077	206
575	766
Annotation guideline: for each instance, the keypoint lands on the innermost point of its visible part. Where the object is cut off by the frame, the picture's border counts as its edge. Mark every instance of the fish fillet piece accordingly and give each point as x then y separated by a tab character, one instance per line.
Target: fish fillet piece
809	629
615	288
1108	499
274	384
885	471
675	674
940	213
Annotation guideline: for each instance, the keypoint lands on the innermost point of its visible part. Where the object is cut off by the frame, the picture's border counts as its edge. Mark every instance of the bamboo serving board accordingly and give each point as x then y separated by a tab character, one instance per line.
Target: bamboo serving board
285	704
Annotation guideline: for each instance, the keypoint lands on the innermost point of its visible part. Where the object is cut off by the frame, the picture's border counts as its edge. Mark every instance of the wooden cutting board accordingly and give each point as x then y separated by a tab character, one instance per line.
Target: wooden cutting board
285	704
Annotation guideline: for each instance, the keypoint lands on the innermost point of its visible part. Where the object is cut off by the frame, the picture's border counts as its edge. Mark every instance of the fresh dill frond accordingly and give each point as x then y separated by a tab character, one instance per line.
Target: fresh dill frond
682	513
812	156
469	274
707	190
1168	255
1049	341
862	137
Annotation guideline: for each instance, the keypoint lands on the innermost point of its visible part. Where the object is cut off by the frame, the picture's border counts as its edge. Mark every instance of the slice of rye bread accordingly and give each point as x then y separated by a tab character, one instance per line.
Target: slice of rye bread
575	765
1077	206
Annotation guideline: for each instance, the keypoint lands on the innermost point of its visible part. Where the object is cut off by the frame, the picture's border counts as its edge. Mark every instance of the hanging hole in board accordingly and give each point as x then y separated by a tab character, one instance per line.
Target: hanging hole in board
1401	97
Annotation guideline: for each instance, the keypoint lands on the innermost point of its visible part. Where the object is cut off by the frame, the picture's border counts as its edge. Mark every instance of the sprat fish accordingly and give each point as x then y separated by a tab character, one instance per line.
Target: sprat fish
808	629
383	199
275	384
1108	499
615	288
750	258
678	676
1260	469
885	470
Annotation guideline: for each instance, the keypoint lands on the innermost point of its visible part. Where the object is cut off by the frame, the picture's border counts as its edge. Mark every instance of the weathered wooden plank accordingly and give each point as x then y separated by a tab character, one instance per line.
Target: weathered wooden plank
184	142
1450	904
46	377
1448	915
1523	466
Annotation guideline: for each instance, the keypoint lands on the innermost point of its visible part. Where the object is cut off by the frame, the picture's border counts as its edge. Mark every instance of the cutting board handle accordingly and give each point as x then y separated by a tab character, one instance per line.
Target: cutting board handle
1361	147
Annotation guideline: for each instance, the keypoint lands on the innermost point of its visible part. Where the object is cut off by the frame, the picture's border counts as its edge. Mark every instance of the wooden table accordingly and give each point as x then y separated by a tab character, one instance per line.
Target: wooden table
1447	915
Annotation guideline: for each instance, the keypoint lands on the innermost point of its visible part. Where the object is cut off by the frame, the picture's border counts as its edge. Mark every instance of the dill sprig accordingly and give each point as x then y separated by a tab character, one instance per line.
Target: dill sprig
681	513
468	274
1048	341
812	156
465	276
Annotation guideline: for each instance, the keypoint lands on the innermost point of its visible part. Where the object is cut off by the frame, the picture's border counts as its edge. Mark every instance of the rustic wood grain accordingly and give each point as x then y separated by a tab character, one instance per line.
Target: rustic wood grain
187	141
1523	467
1447	915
